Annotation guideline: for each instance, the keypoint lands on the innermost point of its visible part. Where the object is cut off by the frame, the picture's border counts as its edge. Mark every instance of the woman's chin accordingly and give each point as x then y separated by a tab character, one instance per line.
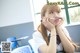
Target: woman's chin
57	23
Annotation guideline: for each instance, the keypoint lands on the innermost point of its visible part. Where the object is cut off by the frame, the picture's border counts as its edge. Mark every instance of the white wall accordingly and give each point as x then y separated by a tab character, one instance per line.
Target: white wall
14	12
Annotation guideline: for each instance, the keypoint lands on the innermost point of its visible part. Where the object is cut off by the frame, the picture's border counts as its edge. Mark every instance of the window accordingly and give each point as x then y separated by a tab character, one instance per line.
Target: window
74	11
70	12
37	5
74	14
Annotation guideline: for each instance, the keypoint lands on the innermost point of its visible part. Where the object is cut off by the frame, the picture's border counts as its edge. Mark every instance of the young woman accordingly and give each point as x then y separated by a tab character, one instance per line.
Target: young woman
51	36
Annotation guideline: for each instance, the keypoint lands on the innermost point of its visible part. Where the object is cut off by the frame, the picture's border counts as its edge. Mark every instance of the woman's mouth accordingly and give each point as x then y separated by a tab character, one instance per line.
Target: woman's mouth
55	21
58	20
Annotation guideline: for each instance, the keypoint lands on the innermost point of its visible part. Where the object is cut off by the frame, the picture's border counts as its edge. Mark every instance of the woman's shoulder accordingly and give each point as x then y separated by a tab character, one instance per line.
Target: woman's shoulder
37	34
66	31
64	28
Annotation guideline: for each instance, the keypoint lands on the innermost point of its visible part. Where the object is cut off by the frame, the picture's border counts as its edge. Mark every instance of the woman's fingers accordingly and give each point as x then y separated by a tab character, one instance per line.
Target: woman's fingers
56	21
47	24
51	20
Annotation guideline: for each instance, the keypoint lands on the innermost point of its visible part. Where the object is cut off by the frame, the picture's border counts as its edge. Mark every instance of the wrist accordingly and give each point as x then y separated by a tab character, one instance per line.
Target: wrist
52	36
58	27
53	28
53	32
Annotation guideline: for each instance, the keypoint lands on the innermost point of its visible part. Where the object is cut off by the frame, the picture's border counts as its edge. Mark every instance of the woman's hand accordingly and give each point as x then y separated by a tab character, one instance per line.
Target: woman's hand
47	24
57	21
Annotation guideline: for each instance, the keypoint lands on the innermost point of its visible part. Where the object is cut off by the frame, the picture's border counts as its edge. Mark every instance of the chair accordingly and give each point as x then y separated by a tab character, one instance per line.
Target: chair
13	41
23	49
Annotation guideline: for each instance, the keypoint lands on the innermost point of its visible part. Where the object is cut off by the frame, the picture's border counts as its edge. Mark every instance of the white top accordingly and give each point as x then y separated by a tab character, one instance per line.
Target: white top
38	40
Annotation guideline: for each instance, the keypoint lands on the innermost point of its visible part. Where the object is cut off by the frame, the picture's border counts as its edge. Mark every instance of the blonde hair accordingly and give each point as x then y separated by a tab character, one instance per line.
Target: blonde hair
49	8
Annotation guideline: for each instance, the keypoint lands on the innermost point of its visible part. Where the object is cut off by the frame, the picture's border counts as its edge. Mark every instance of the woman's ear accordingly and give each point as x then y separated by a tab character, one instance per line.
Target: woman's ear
41	20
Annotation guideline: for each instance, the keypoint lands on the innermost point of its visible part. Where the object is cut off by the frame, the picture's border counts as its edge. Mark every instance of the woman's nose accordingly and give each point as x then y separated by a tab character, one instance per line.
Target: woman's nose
59	17
56	14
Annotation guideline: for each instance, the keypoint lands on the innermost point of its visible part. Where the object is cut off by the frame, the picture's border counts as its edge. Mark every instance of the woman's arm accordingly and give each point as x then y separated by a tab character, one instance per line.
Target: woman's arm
67	44
51	48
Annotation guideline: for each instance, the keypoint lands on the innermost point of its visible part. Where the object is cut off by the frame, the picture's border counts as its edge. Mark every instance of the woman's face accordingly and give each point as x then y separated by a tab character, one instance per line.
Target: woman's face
54	17
51	19
50	15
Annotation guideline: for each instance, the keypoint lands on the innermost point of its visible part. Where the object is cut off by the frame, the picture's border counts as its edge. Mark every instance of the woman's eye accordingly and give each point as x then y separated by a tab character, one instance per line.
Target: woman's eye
58	11
51	12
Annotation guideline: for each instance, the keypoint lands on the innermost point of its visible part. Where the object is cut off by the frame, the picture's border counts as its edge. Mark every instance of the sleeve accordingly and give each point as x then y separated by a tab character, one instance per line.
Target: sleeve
38	41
